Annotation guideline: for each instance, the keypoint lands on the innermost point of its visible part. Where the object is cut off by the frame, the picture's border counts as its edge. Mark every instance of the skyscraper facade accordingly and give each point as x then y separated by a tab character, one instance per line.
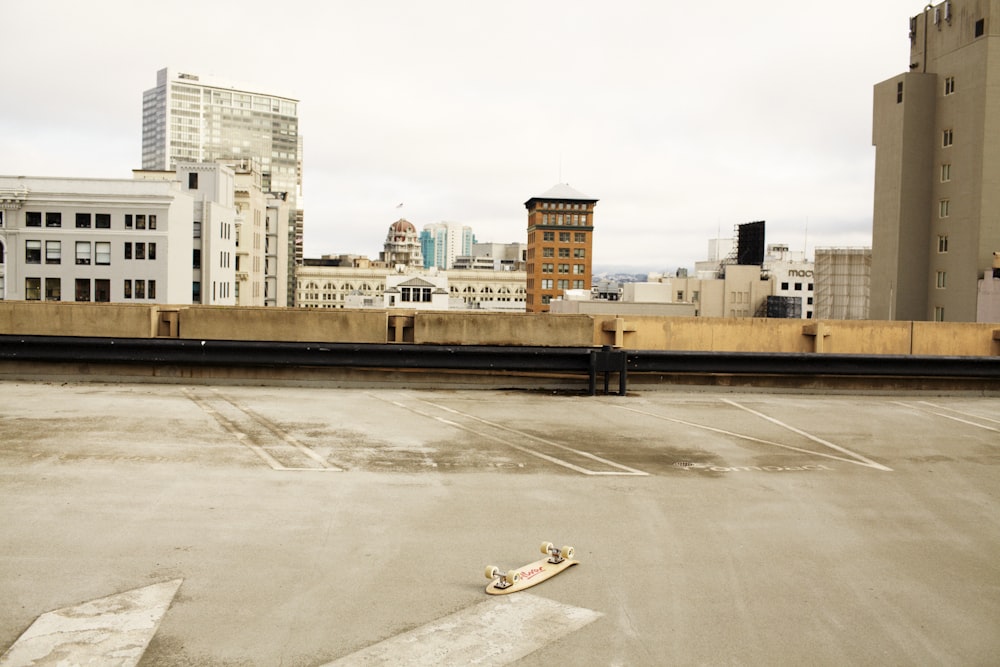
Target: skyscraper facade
936	217
189	119
442	242
560	245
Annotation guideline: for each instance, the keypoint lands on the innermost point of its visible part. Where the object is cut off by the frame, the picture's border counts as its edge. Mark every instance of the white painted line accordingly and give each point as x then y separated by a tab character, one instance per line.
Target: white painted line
287	437
112	632
962	421
742	436
498	631
843	450
622	470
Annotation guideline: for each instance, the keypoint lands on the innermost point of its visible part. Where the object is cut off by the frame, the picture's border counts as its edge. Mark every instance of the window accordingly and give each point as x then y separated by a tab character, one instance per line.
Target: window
564	268
546	299
577	284
151	291
579	269
140	251
53	252
192	181
140	222
564	237
562	284
151	251
944	208
152	222
196	292
33	289
53	289
83	289
947	138
942	243
579	253
32	252
980	27
140	289
680	295
942	280
564	252
128	289
548	236
197	230
899	92
938	314
945	173
547	267
547	284
784	286
949	85
102	220
32	219
548	252
580	237
83	220
196	258
128	221
102	252
83	252
128	250
102	290
798	287
53	219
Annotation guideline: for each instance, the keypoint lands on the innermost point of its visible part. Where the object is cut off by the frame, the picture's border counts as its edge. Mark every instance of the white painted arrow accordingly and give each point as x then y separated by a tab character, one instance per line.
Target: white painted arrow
113	631
494	632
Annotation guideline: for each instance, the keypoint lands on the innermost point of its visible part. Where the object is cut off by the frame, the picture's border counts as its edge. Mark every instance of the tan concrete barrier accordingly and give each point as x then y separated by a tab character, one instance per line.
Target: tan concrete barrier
527	329
108	320
283	324
488	328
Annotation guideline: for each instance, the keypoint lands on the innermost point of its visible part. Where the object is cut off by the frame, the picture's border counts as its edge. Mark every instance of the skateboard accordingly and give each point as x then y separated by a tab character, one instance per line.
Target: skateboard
512	581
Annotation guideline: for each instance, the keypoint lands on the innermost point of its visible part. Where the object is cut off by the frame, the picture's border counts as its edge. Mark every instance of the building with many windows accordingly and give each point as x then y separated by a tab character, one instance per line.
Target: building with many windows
161	237
936	216
188	118
560	245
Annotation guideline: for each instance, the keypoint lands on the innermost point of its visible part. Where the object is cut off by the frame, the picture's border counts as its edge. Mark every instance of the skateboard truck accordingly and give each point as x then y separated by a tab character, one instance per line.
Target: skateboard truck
503	579
556	555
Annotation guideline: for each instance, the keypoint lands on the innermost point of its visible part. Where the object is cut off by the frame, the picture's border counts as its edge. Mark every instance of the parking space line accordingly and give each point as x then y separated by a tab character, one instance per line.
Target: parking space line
494	632
953	418
621	470
750	438
804	434
230	426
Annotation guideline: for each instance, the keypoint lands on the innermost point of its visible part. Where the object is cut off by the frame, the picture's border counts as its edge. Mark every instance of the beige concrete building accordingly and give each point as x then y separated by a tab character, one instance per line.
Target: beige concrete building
936	131
322	284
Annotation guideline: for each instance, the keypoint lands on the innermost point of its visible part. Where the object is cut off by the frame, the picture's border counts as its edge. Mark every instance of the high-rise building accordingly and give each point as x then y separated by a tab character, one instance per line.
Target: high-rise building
442	242
186	118
936	219
560	245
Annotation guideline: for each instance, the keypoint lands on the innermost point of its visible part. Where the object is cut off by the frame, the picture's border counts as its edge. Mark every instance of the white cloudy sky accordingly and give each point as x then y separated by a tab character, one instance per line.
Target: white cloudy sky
683	118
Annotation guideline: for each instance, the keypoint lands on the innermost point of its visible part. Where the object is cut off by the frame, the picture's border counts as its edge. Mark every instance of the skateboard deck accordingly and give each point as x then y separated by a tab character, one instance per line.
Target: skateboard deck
528	575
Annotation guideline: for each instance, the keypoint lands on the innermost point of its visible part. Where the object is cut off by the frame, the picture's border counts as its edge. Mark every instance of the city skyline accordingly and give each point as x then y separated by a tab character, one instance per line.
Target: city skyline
683	122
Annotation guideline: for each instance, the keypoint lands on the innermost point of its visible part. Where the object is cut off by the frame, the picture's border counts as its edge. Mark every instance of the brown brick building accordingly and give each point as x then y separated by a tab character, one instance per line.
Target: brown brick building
560	244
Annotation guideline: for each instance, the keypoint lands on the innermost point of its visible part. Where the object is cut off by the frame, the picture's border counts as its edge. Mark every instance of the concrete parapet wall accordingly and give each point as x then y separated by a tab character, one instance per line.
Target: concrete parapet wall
283	324
77	319
955	339
498	329
527	329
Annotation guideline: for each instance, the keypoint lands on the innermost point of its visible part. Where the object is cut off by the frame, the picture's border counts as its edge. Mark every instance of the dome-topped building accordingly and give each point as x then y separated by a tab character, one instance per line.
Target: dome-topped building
402	245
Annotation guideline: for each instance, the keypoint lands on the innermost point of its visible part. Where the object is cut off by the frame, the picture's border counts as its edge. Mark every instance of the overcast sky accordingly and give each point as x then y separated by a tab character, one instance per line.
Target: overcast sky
682	118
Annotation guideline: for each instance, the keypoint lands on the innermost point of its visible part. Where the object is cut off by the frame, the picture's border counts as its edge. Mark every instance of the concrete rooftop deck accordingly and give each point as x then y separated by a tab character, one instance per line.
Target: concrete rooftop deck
298	527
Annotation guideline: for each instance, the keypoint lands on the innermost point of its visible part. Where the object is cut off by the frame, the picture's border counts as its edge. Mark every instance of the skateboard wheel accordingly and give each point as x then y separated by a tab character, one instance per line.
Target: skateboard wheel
492	572
513	577
546	547
567	552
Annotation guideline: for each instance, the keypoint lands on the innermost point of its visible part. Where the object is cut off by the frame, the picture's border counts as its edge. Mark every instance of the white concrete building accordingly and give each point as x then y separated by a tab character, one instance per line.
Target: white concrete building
793	284
160	237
